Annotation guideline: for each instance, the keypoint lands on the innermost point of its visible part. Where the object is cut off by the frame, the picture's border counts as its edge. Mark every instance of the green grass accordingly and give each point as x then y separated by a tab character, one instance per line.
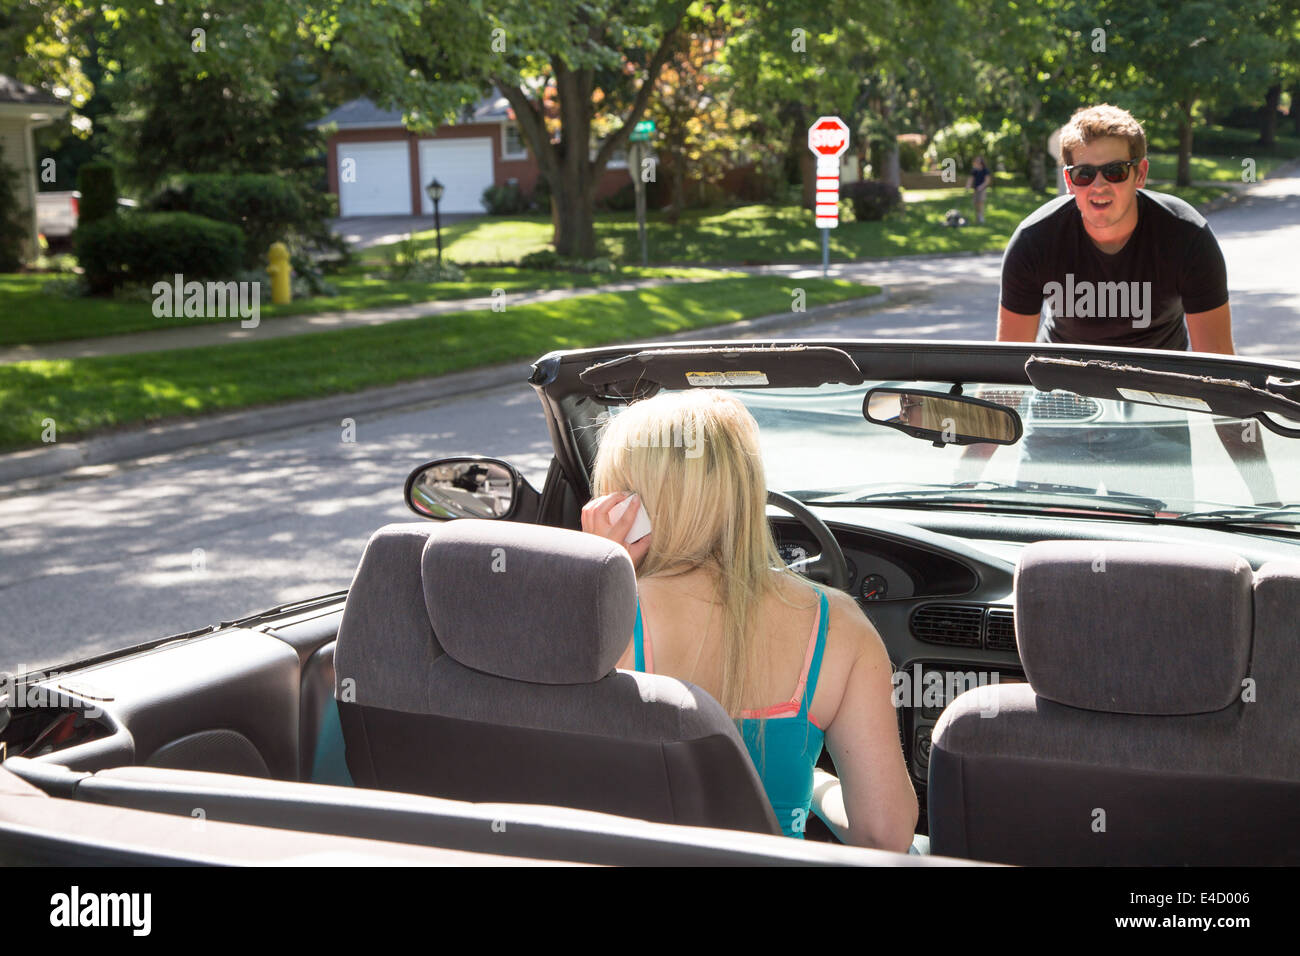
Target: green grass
1211	140
33	314
761	234
87	395
1226	169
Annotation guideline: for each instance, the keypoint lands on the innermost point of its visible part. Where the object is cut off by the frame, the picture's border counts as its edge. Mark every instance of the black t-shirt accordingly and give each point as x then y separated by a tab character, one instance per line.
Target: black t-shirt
1136	297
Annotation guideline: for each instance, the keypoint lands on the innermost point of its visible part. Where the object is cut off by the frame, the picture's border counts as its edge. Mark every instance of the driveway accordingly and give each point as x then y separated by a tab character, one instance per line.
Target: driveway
362	232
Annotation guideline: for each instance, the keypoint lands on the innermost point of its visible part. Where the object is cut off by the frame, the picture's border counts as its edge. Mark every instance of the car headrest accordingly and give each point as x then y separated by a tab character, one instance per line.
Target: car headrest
385	643
529	603
1134	628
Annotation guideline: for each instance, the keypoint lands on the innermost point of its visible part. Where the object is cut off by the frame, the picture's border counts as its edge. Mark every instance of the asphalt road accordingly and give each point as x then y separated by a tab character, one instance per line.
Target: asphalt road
182	541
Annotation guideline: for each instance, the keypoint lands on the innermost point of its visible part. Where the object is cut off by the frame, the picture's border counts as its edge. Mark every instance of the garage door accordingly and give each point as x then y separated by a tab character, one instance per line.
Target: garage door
381	185
463	166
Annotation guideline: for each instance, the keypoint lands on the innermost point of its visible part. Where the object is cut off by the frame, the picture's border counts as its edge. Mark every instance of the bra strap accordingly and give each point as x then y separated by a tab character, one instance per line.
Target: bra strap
815	669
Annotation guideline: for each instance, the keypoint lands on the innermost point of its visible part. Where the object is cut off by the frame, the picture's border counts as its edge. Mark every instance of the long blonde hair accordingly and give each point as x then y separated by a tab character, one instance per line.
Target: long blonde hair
694	458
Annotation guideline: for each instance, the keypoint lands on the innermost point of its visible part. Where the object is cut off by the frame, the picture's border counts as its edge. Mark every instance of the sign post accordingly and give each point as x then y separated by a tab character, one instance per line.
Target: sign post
639	136
828	138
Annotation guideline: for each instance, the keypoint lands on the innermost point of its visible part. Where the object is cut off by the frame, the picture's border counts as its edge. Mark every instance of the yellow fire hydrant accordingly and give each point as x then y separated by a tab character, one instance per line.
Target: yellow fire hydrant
278	269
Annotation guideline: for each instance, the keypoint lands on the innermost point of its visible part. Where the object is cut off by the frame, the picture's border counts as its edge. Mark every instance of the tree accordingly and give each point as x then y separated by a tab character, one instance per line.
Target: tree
1182	54
1281	23
432	59
698	128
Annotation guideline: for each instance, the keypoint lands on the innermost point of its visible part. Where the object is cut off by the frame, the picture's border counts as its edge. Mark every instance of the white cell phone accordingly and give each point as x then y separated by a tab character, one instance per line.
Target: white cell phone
640	527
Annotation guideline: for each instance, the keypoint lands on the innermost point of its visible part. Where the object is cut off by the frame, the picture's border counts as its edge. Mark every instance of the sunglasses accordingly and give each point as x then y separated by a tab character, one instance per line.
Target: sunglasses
1115	172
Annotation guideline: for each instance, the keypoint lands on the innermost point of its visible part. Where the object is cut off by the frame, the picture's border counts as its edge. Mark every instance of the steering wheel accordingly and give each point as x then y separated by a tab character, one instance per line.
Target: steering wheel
829	567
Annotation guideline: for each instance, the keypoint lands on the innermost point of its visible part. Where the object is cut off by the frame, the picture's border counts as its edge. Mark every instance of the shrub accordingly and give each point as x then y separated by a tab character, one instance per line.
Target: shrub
550	260
621	200
540	200
871	199
541	259
264	207
98	188
146	247
1006	149
962	141
408	262
911	154
504	200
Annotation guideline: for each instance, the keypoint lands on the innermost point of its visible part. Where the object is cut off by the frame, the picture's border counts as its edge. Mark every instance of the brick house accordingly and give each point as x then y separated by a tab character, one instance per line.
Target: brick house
377	167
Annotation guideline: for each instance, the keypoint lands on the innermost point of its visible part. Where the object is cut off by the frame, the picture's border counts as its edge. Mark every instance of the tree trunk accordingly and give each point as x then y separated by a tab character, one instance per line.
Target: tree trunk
574	194
1037	167
1184	144
1295	108
573	209
1268	118
893	171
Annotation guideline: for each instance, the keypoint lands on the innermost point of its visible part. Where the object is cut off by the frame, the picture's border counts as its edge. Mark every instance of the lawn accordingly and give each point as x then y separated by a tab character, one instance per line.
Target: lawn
1217	152
760	234
87	395
33	313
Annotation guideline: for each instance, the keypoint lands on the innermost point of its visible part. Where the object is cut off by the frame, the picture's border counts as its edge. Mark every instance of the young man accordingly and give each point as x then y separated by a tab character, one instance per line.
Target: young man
1115	263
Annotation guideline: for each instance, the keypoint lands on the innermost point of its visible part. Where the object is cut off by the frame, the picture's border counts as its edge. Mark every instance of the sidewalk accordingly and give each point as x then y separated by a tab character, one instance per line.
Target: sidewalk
225	333
149	440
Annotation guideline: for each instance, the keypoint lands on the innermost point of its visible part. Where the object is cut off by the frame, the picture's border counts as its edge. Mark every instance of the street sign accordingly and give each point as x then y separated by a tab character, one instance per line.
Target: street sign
828	138
641	131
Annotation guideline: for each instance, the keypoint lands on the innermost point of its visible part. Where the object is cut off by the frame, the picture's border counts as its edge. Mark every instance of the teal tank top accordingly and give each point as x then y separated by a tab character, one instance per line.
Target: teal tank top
786	752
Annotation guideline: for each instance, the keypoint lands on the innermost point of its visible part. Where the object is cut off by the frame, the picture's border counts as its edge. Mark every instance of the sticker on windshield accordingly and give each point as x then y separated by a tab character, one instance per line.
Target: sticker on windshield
1164	398
719	379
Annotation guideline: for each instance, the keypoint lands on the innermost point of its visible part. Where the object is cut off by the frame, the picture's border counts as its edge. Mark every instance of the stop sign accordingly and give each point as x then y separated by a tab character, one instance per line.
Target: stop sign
829	136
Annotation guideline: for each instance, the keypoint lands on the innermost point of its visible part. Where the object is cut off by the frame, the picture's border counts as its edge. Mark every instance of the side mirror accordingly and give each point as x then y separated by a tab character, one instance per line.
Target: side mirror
942	418
470	488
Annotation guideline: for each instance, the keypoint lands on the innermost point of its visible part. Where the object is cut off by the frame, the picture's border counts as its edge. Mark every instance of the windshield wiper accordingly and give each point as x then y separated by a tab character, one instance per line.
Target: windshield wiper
1110	501
1242	514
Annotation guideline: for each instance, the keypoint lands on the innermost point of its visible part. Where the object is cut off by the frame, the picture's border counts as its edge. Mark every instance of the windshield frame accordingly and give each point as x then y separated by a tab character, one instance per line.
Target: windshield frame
572	407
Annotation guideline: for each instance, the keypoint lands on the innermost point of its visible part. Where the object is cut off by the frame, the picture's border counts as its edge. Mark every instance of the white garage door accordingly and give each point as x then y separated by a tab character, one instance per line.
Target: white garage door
463	166
374	179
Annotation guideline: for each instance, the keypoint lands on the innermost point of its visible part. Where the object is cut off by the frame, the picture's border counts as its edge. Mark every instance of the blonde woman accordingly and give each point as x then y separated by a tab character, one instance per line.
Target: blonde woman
795	663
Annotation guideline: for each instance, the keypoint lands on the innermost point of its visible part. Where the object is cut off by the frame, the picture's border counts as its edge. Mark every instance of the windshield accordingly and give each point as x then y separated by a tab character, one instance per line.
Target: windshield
1077	454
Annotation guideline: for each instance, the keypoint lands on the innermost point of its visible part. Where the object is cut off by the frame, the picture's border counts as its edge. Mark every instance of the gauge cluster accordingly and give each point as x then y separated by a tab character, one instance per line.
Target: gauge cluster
872	577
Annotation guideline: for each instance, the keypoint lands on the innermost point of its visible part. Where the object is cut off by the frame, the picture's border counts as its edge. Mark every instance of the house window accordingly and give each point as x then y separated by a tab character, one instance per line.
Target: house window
515	147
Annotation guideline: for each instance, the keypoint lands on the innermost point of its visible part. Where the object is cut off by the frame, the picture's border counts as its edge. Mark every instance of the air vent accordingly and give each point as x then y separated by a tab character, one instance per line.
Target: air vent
1001	632
957	625
1063	406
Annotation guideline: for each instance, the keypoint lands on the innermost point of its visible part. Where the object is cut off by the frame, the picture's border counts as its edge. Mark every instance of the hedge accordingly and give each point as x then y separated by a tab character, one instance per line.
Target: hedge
145	247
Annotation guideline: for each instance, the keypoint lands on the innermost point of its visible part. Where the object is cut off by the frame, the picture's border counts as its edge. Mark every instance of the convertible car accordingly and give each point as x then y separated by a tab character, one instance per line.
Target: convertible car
1084	563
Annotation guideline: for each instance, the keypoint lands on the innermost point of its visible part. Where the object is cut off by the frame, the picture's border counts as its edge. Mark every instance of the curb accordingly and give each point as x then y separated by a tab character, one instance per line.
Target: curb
147	441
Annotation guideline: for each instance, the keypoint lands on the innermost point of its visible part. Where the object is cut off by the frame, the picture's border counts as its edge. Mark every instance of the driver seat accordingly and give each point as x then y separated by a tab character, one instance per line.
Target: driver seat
501	686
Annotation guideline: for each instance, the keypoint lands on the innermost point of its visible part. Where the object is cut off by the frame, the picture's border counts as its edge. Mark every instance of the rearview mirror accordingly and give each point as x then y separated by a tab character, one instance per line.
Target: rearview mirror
942	418
466	488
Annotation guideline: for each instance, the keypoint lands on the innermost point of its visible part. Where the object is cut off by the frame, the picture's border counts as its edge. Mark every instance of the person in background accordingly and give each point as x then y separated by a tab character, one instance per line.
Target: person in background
979	181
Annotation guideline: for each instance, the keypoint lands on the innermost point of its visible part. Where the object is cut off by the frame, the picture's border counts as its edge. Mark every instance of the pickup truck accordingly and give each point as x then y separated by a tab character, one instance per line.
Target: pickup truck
57	212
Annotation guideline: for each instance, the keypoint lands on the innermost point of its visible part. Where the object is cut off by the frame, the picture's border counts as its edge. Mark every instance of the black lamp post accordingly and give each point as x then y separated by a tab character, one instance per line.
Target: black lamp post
434	189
